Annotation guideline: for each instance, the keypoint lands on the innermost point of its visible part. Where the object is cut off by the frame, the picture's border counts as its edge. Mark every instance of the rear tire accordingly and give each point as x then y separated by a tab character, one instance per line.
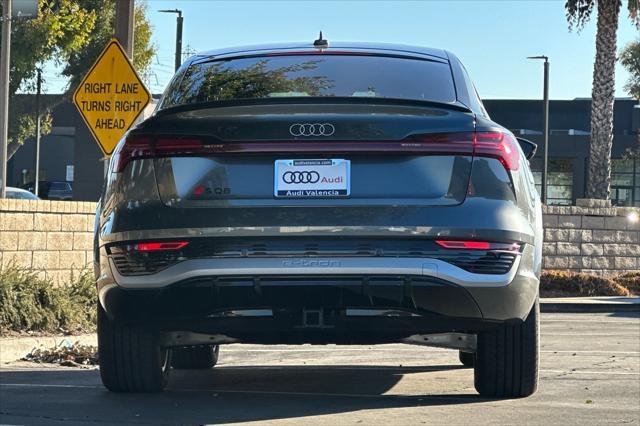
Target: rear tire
194	357
467	358
130	356
507	358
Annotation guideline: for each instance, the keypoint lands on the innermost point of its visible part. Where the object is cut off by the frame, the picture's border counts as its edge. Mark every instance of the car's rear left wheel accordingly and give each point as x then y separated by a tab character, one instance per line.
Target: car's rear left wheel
130	356
506	363
194	357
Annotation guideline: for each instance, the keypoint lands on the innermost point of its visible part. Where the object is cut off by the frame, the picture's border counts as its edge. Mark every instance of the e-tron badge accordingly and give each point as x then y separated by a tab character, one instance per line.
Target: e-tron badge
311	129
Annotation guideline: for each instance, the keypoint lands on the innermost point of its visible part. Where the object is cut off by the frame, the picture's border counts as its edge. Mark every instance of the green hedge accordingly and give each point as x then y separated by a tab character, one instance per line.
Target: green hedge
32	304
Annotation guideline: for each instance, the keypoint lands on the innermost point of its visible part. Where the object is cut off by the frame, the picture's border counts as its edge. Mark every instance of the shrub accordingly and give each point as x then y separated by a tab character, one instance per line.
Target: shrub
29	303
631	281
560	283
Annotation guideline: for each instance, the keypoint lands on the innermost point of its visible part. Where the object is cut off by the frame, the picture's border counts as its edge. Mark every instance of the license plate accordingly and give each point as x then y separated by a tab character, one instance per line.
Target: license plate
324	178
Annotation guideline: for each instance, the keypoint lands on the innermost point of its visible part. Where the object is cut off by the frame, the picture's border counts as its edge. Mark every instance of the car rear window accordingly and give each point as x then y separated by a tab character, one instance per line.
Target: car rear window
313	76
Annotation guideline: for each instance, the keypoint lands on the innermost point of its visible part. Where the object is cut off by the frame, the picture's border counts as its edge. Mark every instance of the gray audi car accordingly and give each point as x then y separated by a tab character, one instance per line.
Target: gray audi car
344	193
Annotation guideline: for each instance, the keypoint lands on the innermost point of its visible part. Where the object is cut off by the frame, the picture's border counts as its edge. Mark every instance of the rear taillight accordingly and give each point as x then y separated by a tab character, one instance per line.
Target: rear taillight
495	144
171	245
499	145
478	245
149	246
442	143
136	147
473	245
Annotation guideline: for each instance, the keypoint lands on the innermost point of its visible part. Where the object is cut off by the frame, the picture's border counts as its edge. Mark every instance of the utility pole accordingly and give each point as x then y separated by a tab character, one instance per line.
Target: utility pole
179	21
124	25
125	17
4	93
545	125
38	132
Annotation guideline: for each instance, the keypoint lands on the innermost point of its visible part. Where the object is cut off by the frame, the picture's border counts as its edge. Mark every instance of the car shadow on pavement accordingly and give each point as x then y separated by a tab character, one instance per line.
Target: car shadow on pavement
242	394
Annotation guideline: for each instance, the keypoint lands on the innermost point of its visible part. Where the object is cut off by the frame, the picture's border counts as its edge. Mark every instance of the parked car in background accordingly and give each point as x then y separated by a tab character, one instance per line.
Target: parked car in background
52	190
306	193
20	194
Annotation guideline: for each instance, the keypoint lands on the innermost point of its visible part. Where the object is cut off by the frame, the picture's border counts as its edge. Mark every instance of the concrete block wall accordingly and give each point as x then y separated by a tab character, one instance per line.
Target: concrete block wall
600	240
53	238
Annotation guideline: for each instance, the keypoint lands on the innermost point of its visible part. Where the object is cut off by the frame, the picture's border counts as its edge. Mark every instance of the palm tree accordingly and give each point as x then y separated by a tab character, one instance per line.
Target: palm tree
603	90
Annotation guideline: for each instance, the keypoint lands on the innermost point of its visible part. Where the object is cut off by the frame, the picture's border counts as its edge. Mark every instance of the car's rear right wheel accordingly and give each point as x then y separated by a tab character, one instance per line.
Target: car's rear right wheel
506	363
194	357
130	356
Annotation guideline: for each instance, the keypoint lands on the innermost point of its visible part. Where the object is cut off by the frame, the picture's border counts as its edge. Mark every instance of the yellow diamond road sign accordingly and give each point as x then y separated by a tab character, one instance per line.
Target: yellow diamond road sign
111	97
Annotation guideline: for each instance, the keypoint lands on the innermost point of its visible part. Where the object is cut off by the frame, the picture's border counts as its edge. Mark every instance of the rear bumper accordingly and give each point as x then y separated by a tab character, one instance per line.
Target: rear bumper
336	266
419	295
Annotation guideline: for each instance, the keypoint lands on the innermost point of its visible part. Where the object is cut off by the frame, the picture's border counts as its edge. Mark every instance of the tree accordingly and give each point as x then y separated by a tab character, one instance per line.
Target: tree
72	33
105	10
62	26
630	59
603	90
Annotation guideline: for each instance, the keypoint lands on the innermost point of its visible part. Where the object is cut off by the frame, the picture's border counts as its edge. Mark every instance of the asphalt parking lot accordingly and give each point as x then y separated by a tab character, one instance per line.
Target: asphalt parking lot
590	374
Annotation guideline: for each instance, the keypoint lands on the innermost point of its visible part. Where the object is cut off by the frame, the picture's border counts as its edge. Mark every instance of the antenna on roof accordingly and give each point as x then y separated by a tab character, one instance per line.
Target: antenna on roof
320	42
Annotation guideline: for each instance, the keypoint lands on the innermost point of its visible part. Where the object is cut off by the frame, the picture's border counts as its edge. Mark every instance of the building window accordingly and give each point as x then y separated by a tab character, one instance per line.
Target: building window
625	182
559	180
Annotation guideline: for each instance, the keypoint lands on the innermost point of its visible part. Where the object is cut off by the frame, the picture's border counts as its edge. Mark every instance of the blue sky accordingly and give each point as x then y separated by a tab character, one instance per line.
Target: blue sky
492	38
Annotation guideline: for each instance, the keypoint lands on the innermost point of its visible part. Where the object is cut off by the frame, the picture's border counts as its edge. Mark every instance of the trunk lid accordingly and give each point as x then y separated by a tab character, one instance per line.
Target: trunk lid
375	141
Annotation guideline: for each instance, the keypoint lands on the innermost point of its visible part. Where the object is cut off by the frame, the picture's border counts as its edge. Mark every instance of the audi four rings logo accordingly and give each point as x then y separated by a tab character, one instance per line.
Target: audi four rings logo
312	129
301	177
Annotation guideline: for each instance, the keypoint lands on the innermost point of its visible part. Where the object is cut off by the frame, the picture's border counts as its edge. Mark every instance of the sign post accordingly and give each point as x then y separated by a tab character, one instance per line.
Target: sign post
111	97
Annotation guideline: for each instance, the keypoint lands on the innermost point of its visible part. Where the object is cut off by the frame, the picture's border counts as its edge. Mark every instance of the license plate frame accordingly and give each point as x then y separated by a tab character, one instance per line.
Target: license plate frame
312	178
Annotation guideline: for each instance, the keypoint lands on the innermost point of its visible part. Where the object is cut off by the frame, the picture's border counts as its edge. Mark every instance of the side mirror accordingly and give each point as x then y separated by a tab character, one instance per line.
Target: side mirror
529	148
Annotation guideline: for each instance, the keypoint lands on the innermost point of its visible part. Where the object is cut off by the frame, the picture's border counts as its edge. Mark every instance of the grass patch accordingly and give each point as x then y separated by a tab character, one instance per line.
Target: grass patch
29	304
561	284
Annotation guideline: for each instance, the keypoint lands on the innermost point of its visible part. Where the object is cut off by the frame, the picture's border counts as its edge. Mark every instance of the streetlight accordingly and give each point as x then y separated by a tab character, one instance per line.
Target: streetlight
178	35
5	51
36	179
545	157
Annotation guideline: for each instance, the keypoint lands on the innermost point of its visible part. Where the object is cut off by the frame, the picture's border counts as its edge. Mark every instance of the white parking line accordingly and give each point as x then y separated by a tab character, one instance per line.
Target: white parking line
288	350
594	352
42	385
602	321
397	350
578	334
603	373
